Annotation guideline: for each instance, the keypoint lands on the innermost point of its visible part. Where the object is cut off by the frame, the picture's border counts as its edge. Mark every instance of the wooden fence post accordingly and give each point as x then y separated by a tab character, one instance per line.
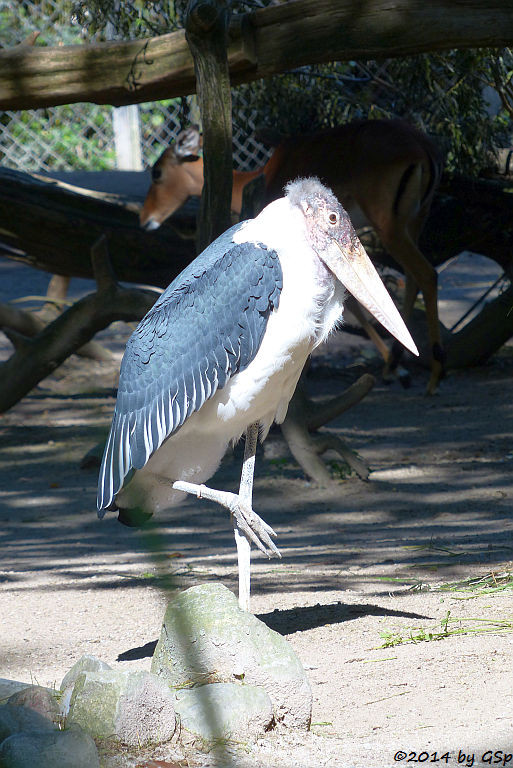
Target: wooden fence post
206	29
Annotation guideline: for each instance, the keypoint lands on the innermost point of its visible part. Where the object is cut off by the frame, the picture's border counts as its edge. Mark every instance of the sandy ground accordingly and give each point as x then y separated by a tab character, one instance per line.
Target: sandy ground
365	565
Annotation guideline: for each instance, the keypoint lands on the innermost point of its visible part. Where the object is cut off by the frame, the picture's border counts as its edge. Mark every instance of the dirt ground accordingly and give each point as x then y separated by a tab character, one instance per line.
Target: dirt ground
403	667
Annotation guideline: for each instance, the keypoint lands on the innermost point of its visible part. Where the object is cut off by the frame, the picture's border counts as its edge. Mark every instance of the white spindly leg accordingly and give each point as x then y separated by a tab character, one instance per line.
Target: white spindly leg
249	527
244	563
246	498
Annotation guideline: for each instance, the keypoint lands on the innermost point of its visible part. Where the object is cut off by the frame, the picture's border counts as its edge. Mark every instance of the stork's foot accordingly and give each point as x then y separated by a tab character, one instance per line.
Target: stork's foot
251	524
254	528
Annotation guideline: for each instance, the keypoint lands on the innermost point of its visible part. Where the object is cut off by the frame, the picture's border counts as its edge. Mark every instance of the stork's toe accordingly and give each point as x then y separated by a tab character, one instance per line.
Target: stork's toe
256	529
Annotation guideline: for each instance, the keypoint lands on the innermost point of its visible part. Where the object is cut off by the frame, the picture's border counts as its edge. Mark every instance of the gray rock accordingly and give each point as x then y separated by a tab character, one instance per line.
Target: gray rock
86	663
223	711
56	749
207	638
38	699
135	707
15	719
94	701
146	711
8	687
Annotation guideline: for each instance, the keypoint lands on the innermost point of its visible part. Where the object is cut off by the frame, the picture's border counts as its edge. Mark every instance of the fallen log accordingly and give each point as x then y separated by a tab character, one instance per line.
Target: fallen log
263	42
52	226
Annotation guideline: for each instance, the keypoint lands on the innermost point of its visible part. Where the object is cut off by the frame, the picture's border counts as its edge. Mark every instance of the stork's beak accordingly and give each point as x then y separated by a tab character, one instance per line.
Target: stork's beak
354	269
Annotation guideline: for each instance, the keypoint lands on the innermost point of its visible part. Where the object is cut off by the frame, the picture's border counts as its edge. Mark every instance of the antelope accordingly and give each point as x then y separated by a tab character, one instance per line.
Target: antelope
178	174
384	172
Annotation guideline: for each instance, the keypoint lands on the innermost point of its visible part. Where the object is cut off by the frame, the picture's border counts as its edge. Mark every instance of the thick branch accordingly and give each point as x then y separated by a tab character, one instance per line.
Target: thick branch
320	413
304	417
19	326
484	335
262	43
19	320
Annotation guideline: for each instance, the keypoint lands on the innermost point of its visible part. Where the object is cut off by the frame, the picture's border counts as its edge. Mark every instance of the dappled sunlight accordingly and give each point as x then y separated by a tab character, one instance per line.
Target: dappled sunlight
437	508
36	501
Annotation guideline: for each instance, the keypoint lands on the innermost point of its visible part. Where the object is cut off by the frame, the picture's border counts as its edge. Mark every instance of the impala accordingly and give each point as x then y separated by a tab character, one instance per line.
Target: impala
384	172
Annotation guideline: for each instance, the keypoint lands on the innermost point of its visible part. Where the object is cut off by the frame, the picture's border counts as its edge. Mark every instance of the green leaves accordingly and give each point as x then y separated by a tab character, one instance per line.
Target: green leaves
442	93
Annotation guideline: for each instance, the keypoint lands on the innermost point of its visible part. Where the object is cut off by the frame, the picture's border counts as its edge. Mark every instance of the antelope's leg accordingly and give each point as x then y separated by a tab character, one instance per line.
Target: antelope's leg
424	276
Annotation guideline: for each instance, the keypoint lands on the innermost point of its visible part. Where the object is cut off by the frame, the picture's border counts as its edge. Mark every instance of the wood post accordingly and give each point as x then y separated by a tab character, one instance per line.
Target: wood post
206	30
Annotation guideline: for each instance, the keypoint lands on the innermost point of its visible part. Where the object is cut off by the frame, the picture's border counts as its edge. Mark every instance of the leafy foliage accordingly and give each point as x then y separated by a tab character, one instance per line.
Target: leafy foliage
62	132
441	93
127	19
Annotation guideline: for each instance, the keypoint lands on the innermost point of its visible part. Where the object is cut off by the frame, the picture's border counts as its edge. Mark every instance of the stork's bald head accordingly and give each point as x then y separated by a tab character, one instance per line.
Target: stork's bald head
324	216
334	240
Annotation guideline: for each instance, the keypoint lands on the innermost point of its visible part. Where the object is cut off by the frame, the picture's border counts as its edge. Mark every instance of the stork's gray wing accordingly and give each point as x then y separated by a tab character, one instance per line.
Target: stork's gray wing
206	326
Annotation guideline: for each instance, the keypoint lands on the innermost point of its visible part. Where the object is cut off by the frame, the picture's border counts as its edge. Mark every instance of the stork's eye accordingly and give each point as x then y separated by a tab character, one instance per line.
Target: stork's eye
156	173
333	217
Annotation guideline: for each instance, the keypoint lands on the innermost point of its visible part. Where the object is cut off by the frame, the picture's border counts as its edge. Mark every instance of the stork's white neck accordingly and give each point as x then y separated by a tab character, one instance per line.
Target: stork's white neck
269	226
312	296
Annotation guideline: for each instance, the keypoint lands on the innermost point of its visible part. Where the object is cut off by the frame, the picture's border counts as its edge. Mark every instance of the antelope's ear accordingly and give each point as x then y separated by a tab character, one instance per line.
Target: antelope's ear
188	142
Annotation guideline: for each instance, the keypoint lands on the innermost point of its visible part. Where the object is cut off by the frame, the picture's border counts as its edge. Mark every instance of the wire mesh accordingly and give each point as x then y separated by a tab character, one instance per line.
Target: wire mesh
81	136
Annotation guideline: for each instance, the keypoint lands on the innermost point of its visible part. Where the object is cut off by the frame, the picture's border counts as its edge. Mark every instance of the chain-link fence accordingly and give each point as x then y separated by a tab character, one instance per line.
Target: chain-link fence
87	136
440	93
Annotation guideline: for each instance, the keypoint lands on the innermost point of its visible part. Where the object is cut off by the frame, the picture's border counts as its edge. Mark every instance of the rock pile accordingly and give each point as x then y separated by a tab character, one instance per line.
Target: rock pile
218	673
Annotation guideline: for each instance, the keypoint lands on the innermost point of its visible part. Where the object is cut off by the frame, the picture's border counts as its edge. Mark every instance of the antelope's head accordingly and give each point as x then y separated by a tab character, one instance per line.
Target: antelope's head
177	174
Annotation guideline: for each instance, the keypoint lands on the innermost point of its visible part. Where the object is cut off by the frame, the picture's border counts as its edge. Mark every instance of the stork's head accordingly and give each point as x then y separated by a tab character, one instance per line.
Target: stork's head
334	240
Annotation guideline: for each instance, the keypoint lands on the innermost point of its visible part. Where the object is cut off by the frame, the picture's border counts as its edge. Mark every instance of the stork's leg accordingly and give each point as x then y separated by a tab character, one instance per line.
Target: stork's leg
248	527
246	497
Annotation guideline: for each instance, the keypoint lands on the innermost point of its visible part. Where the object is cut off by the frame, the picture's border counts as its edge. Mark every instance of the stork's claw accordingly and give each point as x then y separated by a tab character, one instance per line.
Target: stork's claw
251	524
254	528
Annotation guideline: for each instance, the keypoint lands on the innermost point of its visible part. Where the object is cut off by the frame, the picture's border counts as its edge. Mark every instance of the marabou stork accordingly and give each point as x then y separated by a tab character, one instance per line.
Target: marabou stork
221	352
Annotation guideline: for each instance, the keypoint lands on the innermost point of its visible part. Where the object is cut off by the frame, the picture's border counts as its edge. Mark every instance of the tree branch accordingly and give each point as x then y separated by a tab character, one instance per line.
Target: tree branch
304	417
36	357
262	43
